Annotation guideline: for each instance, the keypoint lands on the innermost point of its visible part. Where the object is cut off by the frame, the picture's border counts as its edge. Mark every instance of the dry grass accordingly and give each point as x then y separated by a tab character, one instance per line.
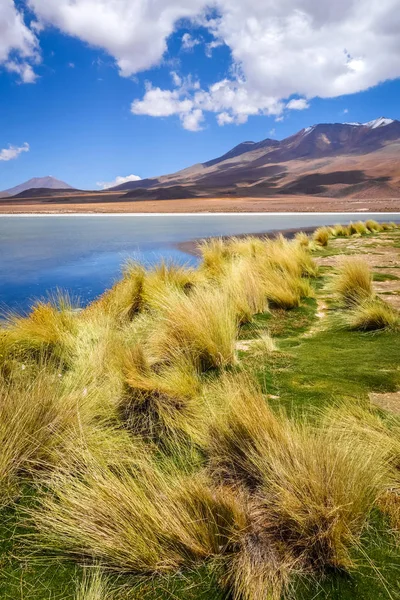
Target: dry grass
242	282
159	403
322	235
373	226
353	282
203	326
125	299
372	315
94	586
311	489
49	328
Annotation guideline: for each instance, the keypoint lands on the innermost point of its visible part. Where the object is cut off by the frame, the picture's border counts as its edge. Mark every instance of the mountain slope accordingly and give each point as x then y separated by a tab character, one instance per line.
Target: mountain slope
38	182
325	159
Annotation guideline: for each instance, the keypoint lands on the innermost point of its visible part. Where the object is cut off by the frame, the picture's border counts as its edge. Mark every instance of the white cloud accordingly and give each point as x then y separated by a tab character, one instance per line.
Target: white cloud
134	32
13	152
297	104
117	181
272	131
345	111
189	42
24	70
18	41
192	120
279	49
211	45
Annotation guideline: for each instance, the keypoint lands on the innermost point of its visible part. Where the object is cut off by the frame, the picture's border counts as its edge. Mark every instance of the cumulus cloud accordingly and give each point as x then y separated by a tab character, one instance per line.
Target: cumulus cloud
13	152
105	185
134	32
279	49
297	104
18	41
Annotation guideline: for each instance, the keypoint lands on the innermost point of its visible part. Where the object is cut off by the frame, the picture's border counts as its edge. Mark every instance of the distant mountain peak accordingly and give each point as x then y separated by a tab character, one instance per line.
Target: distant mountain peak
46	182
380	122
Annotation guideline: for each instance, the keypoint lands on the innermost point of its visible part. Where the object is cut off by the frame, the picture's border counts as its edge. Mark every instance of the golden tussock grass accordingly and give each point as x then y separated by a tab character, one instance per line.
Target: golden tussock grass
202	325
159	402
311	489
372	315
353	282
322	235
242	282
48	329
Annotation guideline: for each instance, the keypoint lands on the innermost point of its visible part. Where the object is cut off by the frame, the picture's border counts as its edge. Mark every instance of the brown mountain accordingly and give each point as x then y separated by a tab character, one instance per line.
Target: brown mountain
332	159
41	183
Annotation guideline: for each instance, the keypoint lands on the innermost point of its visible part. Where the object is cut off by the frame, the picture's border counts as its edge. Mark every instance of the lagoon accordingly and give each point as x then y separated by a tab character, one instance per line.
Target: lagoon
83	254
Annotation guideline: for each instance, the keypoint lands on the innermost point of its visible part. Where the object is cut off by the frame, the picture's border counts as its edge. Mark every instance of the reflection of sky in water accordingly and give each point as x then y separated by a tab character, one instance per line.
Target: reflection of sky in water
84	254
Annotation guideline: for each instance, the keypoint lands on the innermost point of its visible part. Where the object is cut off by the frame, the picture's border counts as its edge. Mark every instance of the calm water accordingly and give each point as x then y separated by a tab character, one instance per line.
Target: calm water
84	254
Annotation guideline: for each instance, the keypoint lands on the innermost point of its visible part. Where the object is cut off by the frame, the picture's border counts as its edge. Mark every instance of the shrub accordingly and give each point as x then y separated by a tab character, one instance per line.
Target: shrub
321	236
353	281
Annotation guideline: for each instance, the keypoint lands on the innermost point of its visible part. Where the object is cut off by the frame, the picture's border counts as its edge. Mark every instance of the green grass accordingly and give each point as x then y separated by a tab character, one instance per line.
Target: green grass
384	277
313	372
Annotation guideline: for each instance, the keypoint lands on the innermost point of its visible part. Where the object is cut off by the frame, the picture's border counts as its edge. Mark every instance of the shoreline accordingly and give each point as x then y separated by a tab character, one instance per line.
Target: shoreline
200	205
192	246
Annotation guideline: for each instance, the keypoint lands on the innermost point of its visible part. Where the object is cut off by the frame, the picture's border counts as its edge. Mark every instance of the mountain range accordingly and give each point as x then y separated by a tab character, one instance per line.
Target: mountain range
336	160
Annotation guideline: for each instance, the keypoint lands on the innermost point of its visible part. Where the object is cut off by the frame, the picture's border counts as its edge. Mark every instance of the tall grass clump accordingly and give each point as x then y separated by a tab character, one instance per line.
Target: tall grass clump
373	226
49	329
134	519
243	284
125	299
159	402
302	239
168	276
321	236
203	326
353	282
35	419
215	252
360	228
372	315
340	230
311	489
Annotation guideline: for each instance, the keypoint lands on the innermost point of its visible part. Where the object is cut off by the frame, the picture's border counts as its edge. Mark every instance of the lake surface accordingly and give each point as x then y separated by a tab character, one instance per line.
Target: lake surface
84	254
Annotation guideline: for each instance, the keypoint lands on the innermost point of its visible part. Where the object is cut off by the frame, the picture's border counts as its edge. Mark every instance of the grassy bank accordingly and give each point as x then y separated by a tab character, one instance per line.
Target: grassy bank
230	431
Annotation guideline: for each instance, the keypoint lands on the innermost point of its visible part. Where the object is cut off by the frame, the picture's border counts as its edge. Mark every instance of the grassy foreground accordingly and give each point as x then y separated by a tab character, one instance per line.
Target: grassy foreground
209	433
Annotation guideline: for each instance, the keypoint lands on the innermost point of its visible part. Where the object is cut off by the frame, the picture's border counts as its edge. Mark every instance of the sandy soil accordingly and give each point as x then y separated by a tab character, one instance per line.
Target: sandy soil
382	257
92	204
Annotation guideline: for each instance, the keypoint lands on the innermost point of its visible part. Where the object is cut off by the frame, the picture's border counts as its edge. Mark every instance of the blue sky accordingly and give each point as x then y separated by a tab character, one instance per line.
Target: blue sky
97	91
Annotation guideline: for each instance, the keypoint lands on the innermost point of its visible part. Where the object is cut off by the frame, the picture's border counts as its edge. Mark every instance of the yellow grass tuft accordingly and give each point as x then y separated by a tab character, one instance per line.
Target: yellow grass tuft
372	315
203	326
353	282
321	236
